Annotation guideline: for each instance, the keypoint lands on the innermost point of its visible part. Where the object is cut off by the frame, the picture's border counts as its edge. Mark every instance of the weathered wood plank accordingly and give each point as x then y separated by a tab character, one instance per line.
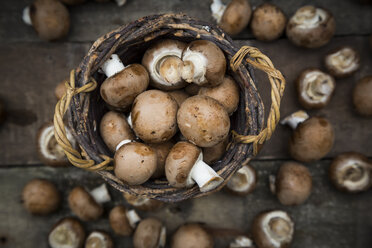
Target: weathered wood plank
91	20
328	219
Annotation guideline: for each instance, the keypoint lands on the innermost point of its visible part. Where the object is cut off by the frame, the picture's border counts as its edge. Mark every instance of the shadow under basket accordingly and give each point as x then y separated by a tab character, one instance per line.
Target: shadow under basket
85	108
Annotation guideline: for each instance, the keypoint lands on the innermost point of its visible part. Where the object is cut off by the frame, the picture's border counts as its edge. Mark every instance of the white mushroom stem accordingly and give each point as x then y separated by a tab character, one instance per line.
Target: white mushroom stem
133	218
101	194
241	241
26	17
309	17
123	142
272	181
217	8
194	66
120	2
129	120
163	237
112	66
206	178
295	118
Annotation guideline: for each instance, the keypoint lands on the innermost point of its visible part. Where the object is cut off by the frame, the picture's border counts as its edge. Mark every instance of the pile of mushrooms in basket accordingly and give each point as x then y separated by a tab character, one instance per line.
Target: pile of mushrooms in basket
169	116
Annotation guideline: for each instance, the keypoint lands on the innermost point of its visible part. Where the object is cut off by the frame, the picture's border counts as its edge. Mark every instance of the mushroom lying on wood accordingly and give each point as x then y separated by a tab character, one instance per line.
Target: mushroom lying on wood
67	233
242	242
150	233
243	181
190	236
123	221
362	96
342	62
142	203
98	239
123	83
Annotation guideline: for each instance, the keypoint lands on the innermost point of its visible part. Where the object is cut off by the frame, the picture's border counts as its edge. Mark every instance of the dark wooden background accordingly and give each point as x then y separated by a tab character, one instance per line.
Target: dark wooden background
30	69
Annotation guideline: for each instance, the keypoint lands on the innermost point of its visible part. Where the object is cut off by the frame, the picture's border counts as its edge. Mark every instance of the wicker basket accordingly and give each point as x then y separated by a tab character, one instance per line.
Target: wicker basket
84	106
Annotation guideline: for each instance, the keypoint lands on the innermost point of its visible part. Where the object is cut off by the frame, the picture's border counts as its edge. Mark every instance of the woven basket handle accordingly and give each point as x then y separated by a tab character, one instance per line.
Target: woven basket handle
277	81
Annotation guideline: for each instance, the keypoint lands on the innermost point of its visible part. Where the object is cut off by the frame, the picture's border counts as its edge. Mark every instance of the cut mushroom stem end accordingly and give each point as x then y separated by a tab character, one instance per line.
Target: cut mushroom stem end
133	218
241	241
26	17
101	194
295	118
217	8
194	66
243	181
112	66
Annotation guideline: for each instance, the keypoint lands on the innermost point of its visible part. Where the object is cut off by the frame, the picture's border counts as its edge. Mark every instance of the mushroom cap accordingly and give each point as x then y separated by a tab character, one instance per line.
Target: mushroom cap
227	93
41	197
179	163
155	55
311	140
162	151
148	234
351	172
121	89
314	88
142	203
67	233
236	16
50	19
60	90
179	95
83	204
216	152
243	181
293	183
209	59
114	128
362	96
135	163
191	235
119	221
203	121
342	62
154	116
311	27
268	22
99	239
273	229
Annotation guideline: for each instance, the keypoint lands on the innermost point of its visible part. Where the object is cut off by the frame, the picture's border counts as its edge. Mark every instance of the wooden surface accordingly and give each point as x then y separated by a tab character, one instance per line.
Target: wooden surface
31	68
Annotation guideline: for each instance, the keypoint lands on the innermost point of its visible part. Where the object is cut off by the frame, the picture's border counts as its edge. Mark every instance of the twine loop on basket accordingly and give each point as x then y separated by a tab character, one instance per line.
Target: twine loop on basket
277	81
63	104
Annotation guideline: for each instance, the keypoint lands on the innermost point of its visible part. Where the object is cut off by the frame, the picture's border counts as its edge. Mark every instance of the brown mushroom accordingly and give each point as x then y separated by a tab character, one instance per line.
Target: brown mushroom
311	27
123	83
142	203
134	163
60	89
122	221
233	17
273	229
362	96
190	236
342	62
203	121
150	233
179	95
184	166
41	197
162	150
227	93
351	172
163	62
243	181
292	184
114	128
314	88
204	63
49	18
154	116
99	239
216	152
268	22
67	233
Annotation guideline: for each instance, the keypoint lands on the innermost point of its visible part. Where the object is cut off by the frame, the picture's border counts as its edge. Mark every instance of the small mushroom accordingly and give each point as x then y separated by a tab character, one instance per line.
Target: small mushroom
179	95
243	181
312	138
192	235
162	150
362	96
114	128
88	205
163	62
214	153
204	63
142	203
41	197
268	22
67	233
203	121
273	229
49	151
154	116
99	239
184	166
292	185
233	17
49	18
242	242
342	62
2	112
60	90
311	27
134	162
351	172
122	221
150	233
73	2
227	94
123	83
314	88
